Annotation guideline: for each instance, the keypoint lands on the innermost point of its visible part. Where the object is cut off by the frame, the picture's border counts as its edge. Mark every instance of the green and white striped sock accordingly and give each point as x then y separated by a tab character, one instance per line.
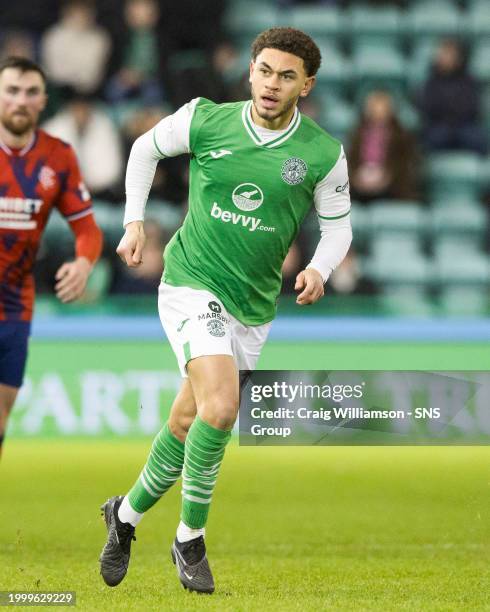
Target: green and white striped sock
162	469
204	449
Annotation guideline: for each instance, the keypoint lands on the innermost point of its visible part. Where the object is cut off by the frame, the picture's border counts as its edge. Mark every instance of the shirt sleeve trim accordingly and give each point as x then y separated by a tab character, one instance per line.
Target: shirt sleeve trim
79	214
155	143
334	218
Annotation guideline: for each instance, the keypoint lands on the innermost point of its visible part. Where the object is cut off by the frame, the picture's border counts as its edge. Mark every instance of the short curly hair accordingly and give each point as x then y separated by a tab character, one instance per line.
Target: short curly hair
291	41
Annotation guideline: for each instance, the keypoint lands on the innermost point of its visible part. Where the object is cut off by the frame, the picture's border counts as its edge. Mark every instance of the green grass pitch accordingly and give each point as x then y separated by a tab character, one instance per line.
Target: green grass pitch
290	528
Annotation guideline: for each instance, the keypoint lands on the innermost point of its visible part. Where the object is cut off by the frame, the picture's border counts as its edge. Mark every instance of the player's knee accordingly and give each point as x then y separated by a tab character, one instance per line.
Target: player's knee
179	426
220	411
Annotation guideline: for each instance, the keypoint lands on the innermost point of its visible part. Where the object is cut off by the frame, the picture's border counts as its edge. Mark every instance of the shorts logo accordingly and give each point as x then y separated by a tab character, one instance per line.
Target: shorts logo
247	196
293	171
214	306
216	328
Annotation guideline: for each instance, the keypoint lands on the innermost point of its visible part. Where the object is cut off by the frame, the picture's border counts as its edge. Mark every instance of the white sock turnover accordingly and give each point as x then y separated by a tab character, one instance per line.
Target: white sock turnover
184	533
126	513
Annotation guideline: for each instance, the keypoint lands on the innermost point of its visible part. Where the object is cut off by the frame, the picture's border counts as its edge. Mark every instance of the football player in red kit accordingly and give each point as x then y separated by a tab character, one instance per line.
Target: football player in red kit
37	172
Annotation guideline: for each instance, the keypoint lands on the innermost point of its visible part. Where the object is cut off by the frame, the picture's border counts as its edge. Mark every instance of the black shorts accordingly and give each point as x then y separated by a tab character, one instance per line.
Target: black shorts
14	339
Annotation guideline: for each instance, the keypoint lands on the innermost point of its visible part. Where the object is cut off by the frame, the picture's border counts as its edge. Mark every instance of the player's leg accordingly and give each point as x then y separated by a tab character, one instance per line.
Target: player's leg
165	461
14	338
162	469
8	395
215	383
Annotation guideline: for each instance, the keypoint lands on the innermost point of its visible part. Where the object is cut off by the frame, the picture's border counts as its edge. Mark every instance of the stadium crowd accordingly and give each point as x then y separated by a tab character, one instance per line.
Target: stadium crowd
115	73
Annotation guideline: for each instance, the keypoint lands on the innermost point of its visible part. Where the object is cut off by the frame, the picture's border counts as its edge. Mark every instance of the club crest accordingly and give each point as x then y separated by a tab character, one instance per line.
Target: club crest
293	171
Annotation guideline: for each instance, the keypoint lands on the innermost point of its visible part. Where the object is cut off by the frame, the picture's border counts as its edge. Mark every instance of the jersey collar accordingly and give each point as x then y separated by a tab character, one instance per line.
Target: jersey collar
25	149
249	126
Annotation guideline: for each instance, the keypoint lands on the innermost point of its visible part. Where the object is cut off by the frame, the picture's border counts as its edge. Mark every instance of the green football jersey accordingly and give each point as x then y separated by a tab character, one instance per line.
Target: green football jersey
247	200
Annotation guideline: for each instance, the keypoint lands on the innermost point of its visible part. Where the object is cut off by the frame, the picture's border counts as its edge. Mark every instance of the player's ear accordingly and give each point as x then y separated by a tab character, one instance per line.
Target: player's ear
252	65
308	86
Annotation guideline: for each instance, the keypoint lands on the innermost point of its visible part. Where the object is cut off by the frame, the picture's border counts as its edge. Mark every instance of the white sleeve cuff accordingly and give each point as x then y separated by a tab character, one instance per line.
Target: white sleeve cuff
333	246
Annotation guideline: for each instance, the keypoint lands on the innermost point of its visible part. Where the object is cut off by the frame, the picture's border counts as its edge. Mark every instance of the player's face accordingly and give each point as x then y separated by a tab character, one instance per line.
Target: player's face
278	79
22	98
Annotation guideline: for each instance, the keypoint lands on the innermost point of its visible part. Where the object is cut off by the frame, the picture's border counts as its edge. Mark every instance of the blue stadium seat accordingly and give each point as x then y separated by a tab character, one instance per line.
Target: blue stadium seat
397	216
478	18
462	268
467	301
455	173
379	24
399	271
448	246
459	217
420	61
335	70
480	60
397	259
362	224
318	20
379	64
407	300
408	114
434	18
121	111
387	246
338	117
244	20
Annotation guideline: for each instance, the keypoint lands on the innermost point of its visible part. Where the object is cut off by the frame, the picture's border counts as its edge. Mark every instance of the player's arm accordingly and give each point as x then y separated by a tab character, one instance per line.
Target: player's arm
72	276
332	203
75	205
169	138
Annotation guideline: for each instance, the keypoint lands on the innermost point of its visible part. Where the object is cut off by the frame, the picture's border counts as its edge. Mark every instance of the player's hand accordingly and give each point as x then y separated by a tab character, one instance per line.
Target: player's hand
72	278
130	248
310	283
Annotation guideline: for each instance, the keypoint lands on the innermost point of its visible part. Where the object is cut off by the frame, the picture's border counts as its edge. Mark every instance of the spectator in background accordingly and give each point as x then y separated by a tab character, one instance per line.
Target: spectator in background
139	73
96	141
450	103
170	182
195	70
383	157
17	43
75	50
20	43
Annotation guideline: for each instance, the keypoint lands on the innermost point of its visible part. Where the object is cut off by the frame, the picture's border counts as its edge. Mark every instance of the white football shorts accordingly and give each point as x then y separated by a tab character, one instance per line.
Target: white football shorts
197	324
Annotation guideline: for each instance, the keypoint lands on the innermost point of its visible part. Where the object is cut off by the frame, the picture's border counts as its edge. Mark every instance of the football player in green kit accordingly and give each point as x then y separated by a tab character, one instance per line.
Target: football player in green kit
256	169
